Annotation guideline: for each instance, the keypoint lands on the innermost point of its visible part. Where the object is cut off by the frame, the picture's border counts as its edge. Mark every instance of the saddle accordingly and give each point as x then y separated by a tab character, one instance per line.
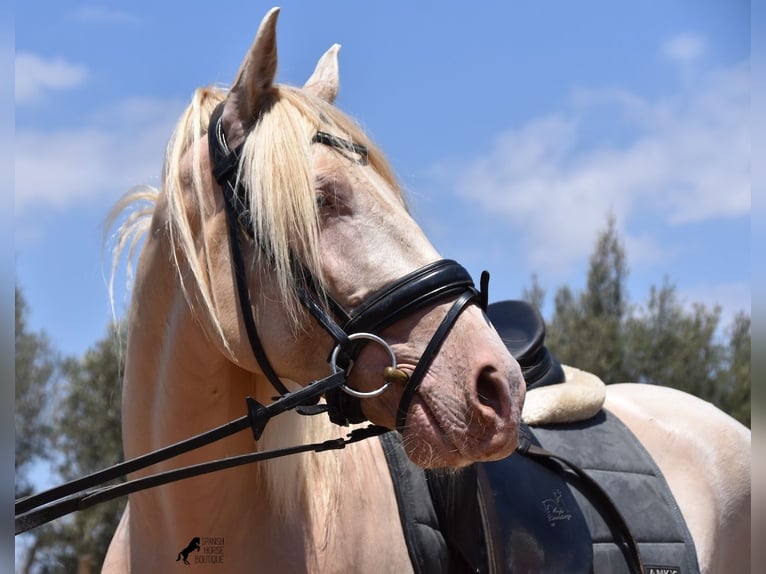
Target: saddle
578	496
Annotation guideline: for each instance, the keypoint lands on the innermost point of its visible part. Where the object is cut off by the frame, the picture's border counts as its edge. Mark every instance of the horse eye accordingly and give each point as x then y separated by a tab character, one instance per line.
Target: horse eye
325	195
332	196
323	200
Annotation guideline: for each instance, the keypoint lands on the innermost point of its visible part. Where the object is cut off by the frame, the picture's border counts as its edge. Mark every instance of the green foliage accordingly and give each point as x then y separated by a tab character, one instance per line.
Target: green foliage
586	330
89	420
674	346
89	439
736	395
664	342
36	367
605	296
534	294
76	430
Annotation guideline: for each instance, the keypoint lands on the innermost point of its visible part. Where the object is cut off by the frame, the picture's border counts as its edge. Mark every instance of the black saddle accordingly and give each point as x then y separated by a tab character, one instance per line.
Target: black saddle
577	498
522	329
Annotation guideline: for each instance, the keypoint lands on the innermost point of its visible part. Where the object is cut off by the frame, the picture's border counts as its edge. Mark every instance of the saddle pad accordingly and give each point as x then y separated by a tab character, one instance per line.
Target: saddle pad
425	542
578	397
520	516
611	455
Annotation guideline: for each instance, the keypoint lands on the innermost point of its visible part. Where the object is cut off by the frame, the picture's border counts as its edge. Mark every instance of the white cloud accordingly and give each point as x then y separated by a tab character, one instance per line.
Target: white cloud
675	160
684	48
104	15
37	76
120	147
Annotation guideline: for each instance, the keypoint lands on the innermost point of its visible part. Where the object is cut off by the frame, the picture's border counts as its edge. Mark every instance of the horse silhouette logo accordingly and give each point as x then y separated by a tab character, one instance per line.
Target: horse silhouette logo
193	545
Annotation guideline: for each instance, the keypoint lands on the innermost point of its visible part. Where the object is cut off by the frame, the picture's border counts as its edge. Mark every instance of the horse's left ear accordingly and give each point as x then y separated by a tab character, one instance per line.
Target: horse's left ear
256	73
325	80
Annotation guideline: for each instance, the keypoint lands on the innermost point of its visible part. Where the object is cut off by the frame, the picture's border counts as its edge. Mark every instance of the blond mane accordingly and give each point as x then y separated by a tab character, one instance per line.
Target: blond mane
276	170
275	167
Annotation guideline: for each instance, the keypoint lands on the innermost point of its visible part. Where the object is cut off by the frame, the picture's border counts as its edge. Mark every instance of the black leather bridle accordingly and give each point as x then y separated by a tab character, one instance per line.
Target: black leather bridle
434	283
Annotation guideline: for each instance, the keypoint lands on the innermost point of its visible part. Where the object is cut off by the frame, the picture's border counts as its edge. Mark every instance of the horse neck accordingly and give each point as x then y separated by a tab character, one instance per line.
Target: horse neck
175	381
177	384
294	514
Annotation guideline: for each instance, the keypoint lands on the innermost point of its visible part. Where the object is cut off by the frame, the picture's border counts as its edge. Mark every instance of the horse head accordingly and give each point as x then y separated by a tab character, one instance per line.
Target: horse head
319	210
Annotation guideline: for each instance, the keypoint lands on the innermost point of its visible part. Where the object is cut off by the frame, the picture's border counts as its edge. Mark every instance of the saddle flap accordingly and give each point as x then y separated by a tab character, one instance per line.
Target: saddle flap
535	522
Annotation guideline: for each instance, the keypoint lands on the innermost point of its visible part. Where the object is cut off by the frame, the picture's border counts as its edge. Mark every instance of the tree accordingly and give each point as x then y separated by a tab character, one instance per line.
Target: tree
534	294
587	330
89	439
674	346
736	392
36	368
665	342
36	372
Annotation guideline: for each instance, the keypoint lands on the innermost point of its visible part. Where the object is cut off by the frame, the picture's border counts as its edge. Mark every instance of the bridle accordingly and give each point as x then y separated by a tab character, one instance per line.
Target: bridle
429	285
434	283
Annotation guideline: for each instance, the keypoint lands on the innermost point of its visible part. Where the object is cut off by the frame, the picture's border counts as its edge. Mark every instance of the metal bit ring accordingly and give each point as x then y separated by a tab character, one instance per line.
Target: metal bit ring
335	369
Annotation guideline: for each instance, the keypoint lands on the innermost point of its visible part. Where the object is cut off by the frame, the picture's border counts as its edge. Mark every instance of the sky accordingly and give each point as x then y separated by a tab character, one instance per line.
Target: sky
515	127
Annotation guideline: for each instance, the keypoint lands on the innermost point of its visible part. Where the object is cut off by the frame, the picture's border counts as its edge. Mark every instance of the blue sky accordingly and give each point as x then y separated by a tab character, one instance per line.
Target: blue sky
515	126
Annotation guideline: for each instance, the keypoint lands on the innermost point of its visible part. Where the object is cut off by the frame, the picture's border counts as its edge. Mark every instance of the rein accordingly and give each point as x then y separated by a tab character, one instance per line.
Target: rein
41	508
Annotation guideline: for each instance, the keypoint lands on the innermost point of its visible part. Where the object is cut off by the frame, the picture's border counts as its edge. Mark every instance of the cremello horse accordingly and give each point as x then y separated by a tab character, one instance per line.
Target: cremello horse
189	365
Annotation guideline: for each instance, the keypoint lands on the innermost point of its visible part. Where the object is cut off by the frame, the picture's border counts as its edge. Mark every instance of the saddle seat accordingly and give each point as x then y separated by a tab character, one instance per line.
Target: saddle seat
556	394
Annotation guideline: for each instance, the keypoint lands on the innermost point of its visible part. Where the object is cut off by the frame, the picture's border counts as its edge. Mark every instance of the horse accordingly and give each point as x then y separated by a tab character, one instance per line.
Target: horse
321	213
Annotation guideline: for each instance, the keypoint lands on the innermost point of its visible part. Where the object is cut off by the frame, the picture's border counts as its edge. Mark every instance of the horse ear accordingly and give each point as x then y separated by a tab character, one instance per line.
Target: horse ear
257	71
325	80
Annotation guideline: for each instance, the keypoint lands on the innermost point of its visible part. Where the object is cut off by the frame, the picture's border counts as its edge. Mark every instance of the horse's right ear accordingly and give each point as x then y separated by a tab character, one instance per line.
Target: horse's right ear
256	73
325	80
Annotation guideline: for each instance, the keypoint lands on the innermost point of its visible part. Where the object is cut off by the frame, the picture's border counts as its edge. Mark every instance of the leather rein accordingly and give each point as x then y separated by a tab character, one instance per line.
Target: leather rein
434	283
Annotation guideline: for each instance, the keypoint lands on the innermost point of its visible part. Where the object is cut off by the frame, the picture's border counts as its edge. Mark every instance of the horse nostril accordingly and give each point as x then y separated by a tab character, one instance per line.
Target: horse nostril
488	391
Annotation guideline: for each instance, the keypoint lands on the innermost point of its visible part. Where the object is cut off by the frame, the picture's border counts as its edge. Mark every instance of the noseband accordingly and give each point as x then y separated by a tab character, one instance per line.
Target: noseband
434	283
